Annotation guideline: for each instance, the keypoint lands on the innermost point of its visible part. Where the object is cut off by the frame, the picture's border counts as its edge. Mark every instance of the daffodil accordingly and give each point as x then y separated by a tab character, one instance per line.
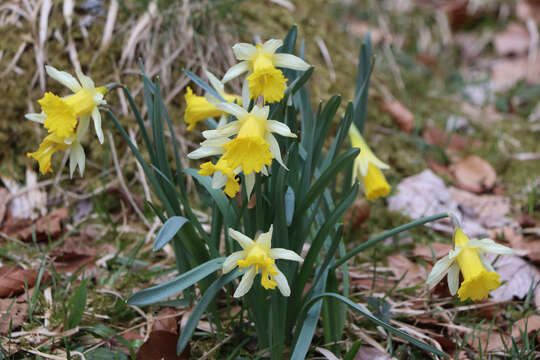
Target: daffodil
251	150
202	107
368	167
60	115
479	277
67	120
224	176
260	62
258	256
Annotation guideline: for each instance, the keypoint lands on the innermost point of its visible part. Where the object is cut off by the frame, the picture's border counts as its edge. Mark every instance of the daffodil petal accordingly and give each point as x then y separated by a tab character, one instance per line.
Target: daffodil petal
440	269
233	109
242	239
250	183
206	151
224	131
235	71
279	128
219	180
82	128
274	149
244	51
265	239
490	246
245	284
261	112
279	253
453	278
214	81
289	61
282	283
36	117
270	46
76	158
96	116
486	263
63	78
85	81
230	261
246	96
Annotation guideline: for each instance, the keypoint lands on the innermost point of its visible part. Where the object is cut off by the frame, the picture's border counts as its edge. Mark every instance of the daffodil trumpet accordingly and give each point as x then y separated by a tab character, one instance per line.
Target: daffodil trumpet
467	258
258	257
368	167
260	62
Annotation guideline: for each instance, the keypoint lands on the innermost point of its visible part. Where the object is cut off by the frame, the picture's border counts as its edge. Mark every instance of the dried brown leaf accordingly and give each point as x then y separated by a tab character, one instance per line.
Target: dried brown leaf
161	345
474	174
514	40
4	199
424	251
166	320
436	136
48	225
402	116
12	280
12	312
401	266
518	274
505	73
357	214
371	353
529	324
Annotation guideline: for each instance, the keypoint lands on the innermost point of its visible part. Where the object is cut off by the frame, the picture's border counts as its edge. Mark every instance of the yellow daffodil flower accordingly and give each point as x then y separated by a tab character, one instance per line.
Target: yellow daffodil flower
368	167
61	115
67	119
254	146
202	107
258	256
260	63
479	277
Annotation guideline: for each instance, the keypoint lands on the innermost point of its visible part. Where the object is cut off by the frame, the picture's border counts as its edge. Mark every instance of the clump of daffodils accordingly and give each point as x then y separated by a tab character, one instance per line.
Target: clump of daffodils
67	119
258	257
247	144
467	257
368	167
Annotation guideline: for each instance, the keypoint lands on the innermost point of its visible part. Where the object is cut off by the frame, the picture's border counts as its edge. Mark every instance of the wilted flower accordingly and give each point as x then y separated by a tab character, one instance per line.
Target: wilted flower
258	256
479	277
368	167
260	62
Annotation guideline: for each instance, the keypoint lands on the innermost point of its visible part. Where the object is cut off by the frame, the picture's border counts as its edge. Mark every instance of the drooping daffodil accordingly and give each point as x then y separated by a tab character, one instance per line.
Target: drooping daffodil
467	257
67	119
202	107
260	62
258	256
368	167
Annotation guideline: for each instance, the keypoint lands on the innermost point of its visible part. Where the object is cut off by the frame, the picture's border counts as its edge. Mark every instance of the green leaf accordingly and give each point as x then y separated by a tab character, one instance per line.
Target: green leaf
160	292
305	337
168	230
351	354
326	177
289	205
377	321
200	308
221	200
76	306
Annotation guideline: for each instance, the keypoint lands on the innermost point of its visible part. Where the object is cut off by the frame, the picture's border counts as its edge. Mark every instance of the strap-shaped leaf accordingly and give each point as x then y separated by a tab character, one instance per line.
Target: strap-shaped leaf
199	310
377	321
168	230
160	292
